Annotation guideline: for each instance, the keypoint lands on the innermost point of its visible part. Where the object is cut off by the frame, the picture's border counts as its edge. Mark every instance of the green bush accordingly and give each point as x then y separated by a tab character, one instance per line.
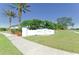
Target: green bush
15	30
3	29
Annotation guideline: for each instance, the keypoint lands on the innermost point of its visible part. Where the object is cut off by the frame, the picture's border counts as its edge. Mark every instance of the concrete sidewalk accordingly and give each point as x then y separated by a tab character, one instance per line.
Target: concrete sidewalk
32	48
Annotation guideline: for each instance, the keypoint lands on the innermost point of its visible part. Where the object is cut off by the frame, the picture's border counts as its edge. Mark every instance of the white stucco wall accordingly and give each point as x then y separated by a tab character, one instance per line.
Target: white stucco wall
27	32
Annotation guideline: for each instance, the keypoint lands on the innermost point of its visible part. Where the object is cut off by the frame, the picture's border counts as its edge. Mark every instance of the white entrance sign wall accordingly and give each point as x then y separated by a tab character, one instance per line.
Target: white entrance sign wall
27	32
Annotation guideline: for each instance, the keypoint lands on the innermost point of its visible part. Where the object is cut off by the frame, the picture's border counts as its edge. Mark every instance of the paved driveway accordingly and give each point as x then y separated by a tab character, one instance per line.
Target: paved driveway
31	48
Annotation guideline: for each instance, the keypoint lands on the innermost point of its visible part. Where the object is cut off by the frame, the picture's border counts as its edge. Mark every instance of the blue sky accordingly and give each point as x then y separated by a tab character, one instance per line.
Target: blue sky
44	11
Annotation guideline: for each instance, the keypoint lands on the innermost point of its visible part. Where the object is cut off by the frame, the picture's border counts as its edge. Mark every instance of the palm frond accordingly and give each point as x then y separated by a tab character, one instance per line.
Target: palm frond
9	13
13	5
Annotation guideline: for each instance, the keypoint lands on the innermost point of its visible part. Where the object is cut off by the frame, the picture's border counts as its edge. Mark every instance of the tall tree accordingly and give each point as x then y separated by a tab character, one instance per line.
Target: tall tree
38	24
10	14
21	7
32	24
49	24
64	22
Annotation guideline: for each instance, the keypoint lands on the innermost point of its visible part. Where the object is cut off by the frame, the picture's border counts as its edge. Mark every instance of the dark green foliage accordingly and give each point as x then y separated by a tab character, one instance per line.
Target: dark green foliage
48	24
15	30
59	26
3	29
37	24
64	22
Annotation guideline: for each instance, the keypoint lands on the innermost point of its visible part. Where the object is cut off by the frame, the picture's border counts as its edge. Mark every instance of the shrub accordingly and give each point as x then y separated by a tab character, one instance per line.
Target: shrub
3	29
16	31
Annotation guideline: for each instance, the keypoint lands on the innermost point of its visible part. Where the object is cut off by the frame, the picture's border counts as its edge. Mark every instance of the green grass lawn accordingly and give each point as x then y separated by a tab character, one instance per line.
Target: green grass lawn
7	48
64	40
76	30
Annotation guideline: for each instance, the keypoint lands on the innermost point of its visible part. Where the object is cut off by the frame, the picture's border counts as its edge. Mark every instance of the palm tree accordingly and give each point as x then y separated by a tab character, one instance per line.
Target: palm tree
10	14
21	7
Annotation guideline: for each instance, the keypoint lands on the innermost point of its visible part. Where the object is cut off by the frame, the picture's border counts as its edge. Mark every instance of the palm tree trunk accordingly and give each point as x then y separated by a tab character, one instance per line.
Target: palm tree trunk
19	21
10	24
19	13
